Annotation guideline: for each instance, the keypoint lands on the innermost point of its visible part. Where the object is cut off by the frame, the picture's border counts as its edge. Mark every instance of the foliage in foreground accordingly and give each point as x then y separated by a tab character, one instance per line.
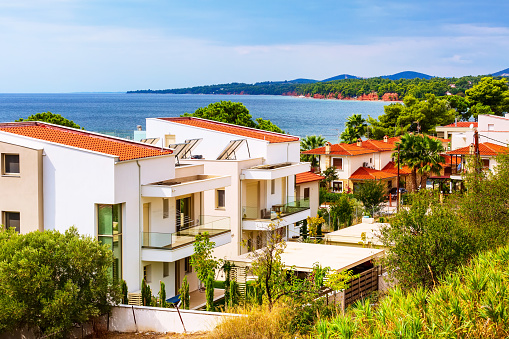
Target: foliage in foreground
51	281
52	118
472	303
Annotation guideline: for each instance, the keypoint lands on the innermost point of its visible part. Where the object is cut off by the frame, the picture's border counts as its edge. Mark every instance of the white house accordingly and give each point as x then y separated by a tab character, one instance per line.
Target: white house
126	194
263	166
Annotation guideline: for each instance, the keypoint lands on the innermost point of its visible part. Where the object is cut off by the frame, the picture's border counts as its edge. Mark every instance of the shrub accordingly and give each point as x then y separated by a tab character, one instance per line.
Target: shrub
51	281
184	293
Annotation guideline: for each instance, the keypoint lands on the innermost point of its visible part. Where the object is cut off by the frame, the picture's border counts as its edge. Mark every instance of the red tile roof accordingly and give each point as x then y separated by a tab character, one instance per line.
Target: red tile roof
302	178
462	124
485	148
380	145
123	149
365	173
391	168
271	137
341	149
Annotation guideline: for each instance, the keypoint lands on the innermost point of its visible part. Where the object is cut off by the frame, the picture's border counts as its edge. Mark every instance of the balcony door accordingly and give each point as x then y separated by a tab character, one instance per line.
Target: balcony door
252	200
184	213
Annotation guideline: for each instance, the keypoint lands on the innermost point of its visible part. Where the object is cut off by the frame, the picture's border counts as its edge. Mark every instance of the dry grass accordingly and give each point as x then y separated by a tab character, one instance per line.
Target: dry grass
258	322
152	335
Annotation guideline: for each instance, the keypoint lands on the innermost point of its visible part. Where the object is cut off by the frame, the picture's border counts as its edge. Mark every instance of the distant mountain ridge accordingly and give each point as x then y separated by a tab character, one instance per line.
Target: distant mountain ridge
502	73
407	75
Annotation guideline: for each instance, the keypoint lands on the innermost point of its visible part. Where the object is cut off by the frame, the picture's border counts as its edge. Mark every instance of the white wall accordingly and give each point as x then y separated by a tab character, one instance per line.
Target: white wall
162	320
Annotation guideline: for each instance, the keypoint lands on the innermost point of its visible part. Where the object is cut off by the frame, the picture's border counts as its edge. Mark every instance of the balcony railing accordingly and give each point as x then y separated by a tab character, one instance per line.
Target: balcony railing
168	241
281	210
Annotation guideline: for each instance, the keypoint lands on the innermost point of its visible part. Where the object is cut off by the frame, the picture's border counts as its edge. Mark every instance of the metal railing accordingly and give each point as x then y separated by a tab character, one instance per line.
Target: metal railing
271	213
211	224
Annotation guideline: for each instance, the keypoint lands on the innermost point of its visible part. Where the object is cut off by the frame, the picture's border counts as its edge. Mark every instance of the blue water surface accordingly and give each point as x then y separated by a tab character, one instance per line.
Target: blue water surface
120	113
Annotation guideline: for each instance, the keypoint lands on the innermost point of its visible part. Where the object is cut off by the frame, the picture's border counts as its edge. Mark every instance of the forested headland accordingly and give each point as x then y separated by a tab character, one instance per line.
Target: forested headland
338	89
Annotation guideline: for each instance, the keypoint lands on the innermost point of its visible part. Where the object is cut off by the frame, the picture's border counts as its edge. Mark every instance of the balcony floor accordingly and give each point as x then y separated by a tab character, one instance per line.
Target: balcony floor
187	237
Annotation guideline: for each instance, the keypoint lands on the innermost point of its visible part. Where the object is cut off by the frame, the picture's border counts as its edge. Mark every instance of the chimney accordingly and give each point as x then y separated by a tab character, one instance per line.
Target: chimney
471	149
456	122
359	142
386	139
138	127
327	147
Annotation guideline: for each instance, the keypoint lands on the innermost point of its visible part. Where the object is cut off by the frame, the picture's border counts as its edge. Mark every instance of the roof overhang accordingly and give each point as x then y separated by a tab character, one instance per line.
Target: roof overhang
186	185
269	172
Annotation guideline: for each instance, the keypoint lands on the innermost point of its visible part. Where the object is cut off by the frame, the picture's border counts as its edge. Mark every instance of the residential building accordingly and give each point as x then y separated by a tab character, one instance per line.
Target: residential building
263	167
129	195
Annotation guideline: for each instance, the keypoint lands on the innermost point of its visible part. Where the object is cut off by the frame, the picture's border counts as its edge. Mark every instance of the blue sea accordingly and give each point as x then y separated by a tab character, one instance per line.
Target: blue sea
120	113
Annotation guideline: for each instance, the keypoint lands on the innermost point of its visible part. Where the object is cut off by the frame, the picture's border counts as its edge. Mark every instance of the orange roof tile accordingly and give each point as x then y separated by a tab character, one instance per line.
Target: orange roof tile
341	149
462	124
271	137
365	173
485	148
123	149
302	178
391	168
381	145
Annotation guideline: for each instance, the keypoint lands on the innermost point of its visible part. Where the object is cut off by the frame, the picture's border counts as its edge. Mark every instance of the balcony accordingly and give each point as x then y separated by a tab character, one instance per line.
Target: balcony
275	171
168	247
255	218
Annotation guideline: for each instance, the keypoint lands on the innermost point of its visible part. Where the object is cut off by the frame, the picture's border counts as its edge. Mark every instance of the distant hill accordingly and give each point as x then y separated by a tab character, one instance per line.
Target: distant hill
302	81
502	73
407	75
341	77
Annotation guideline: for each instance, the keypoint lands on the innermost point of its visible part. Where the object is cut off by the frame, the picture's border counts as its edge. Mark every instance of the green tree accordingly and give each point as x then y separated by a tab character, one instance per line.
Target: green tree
232	113
50	281
209	292
490	92
421	154
372	194
124	293
52	118
461	105
414	116
479	109
426	241
355	128
162	294
184	293
329	176
146	293
341	212
308	143
202	260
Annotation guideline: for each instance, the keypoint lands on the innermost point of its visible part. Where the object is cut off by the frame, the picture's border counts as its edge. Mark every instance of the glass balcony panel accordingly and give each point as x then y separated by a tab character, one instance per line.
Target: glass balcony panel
281	210
185	236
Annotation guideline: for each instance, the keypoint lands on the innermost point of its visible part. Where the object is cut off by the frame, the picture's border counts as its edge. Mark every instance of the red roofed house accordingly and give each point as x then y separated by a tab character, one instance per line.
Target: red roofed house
126	194
487	152
358	162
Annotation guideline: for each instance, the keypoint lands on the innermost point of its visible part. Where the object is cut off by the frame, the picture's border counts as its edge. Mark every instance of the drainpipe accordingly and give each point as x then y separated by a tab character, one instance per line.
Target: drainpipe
140	216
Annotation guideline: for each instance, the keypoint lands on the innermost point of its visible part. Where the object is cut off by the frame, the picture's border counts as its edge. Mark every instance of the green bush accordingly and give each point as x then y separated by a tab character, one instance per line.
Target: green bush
471	303
50	281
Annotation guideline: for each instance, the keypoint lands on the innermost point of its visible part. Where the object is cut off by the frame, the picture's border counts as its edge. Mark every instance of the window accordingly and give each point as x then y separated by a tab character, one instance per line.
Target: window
166	208
166	269
10	164
187	265
147	270
220	198
306	193
11	220
337	163
109	232
491	127
337	186
273	186
486	163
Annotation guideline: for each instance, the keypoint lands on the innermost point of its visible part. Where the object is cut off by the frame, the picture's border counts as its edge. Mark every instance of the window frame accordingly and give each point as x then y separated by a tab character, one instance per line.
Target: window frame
308	191
6	220
218	200
333	186
4	165
335	167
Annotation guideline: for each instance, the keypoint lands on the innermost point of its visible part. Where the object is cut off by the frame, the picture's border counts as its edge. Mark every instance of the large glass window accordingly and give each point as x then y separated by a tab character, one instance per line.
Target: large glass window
110	233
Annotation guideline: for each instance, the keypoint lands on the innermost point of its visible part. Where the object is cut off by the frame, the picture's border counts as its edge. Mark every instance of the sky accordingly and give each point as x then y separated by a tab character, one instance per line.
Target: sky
52	46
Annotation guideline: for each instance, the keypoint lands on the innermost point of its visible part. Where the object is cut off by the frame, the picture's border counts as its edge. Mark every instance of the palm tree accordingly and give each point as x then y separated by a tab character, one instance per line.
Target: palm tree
308	143
420	153
356	128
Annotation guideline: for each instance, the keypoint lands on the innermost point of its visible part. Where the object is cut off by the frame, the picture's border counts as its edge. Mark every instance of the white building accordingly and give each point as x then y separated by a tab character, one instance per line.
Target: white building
263	166
126	194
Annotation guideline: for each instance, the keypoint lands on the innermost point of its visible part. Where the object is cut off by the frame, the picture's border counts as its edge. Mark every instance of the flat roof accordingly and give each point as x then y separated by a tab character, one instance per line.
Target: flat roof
353	234
302	256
